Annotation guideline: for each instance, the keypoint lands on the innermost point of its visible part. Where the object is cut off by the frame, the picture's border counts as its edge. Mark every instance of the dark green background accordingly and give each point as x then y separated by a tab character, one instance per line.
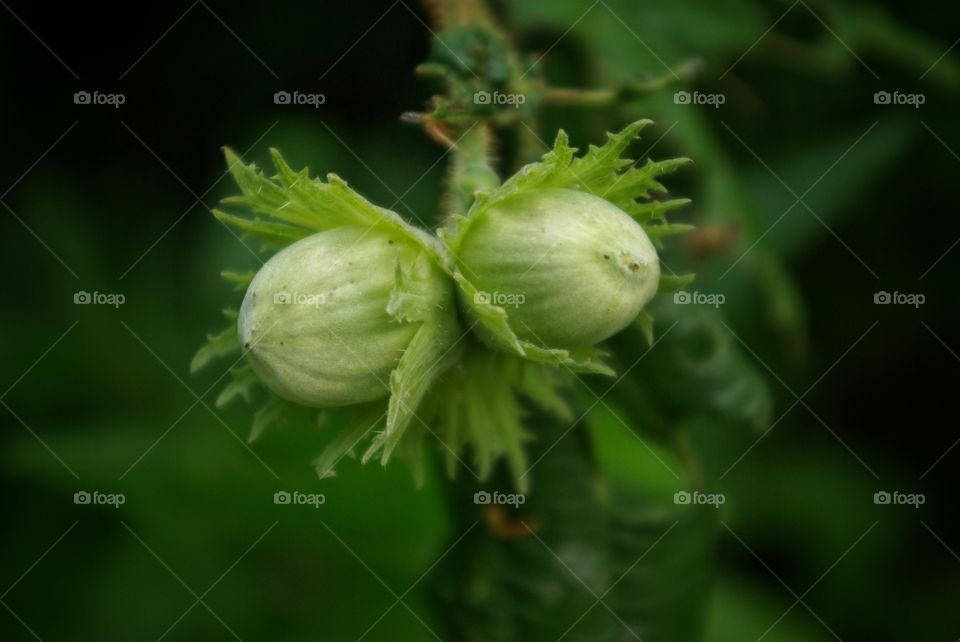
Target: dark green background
104	199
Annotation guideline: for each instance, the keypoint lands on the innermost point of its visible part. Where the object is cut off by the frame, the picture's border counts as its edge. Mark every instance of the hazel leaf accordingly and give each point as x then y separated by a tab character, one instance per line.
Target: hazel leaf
672	283
292	205
601	172
425	357
218	345
239	281
645	322
492	319
274	235
656	232
586	360
484	412
494	327
242	385
643	213
410	450
413	297
542	385
271	413
363	421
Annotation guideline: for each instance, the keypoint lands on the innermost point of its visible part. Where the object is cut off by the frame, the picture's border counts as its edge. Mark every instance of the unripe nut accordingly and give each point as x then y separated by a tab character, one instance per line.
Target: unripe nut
580	268
314	320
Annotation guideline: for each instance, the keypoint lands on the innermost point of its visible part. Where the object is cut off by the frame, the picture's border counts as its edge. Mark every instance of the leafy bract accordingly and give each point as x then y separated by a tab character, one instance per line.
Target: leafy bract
602	172
291	206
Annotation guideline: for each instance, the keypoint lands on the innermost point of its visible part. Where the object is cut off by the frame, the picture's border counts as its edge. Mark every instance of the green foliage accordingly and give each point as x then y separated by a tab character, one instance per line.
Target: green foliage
601	171
470	52
292	206
218	346
480	407
494	323
581	537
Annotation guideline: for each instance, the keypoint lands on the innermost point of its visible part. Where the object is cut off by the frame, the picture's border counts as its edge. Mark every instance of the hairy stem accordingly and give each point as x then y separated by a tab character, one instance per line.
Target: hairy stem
471	169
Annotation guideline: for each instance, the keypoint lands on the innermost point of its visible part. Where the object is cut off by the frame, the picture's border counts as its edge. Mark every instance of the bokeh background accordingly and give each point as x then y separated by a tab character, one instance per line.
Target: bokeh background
811	198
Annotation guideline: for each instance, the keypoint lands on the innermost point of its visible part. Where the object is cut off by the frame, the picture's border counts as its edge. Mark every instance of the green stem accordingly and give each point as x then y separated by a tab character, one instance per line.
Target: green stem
471	169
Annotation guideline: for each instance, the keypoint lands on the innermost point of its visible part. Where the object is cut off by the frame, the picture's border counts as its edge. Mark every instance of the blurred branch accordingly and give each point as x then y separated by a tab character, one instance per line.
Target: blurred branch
630	91
447	14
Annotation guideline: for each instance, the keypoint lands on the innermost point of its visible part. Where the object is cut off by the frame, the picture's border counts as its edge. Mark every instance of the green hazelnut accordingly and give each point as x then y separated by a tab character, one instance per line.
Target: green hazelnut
571	268
562	255
315	320
357	305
